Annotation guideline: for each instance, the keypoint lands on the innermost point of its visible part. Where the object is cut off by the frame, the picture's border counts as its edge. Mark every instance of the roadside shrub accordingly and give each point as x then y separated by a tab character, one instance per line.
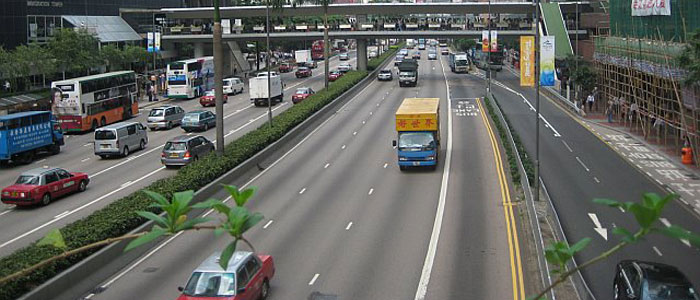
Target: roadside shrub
119	217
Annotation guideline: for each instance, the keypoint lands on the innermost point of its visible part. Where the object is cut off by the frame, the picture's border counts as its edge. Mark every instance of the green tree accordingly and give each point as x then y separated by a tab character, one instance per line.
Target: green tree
136	56
75	51
580	73
113	57
690	59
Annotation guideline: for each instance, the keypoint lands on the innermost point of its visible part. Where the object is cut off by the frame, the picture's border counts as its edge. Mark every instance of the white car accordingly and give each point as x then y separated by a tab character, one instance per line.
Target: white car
344	68
343	56
264	74
432	56
385	75
372	54
233	85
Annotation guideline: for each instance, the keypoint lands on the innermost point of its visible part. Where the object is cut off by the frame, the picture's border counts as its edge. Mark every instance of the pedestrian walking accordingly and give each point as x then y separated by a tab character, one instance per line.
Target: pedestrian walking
609	111
150	94
152	91
590	100
7	86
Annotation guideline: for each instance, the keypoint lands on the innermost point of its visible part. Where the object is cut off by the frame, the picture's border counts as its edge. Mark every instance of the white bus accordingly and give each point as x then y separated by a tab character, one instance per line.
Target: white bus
85	103
190	78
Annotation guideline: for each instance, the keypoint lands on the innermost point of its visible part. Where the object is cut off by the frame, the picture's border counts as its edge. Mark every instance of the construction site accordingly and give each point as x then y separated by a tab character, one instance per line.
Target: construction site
640	80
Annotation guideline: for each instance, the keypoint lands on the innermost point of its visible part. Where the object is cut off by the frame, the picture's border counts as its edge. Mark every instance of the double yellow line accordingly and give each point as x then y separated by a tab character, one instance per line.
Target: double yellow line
516	266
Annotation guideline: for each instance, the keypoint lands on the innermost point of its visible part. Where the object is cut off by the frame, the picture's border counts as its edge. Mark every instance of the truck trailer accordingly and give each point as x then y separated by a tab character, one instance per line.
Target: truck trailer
418	129
257	88
408	72
303	57
24	134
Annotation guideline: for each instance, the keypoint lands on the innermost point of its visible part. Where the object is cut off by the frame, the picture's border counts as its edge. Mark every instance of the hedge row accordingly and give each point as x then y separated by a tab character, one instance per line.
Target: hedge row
119	217
377	61
512	161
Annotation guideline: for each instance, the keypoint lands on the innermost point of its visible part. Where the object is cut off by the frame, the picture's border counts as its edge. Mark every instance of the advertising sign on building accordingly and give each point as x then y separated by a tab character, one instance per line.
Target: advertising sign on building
651	8
494	41
151	42
226	25
547	61
485	41
527	61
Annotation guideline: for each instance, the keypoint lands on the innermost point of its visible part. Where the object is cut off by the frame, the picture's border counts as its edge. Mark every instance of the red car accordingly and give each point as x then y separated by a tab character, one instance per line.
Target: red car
246	278
286	67
303	72
334	75
209	99
42	185
301	94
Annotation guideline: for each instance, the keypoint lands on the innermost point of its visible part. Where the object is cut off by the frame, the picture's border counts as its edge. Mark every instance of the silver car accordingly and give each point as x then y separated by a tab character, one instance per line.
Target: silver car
385	75
167	116
344	67
119	139
184	149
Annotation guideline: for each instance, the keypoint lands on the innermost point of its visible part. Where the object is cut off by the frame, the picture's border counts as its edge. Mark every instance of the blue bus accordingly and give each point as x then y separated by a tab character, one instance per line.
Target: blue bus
25	134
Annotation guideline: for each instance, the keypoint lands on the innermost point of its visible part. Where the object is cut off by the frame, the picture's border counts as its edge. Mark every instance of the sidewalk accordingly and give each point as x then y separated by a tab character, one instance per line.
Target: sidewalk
660	163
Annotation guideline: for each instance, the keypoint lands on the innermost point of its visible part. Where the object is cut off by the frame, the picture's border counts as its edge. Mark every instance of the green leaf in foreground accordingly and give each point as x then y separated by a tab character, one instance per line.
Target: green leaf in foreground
155	233
53	238
227	254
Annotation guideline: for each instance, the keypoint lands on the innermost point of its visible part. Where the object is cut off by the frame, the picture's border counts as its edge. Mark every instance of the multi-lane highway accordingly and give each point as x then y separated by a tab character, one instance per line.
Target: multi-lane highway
115	178
577	167
341	219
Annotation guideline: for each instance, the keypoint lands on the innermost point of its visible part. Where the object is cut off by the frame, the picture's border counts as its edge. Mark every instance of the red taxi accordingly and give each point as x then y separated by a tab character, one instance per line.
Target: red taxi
42	185
301	94
209	99
334	75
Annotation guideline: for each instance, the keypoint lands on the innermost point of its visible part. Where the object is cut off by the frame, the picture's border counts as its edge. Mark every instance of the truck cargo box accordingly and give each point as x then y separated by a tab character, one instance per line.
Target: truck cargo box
418	114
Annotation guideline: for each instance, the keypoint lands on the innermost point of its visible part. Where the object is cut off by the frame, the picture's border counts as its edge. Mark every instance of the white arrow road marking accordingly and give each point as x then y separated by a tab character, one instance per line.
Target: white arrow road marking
668	224
598	228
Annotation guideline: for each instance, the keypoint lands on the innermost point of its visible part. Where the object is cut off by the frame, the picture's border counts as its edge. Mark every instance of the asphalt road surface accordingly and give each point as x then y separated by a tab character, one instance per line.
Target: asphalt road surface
111	179
577	167
342	220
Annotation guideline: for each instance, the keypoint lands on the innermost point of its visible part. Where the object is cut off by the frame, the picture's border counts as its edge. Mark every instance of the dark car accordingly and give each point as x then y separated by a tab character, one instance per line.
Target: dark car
334	75
301	94
198	120
209	99
303	72
184	149
649	280
286	67
42	185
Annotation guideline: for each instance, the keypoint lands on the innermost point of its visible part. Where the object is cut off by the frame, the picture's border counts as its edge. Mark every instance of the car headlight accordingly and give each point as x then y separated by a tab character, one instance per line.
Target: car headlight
430	158
402	158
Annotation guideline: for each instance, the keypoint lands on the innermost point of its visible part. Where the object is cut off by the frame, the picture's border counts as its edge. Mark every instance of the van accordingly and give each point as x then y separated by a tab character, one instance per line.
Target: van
119	139
233	85
165	116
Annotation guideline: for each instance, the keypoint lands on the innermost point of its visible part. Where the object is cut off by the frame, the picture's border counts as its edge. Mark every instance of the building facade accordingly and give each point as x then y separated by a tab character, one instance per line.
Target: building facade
27	21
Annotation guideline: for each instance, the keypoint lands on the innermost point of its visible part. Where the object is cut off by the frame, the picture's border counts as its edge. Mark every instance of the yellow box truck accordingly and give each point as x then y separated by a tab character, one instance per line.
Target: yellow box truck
418	128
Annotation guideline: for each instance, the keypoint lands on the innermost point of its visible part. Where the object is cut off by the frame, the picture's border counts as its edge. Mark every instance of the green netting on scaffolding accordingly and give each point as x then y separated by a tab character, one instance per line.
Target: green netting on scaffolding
684	18
650	56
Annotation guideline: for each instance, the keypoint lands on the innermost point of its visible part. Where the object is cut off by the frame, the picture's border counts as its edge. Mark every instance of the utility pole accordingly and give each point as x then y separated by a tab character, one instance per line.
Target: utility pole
218	79
153	26
488	63
267	62
537	100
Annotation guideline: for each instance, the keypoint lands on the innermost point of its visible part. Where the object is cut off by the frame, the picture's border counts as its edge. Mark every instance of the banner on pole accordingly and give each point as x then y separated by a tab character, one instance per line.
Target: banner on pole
527	61
150	42
157	42
494	41
547	61
651	8
485	41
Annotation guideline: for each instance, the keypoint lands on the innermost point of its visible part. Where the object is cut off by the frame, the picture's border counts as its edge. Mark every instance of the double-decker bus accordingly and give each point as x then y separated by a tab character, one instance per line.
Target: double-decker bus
85	103
317	50
190	78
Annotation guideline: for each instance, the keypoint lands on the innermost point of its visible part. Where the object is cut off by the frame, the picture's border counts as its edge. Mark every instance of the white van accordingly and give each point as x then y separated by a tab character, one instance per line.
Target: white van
119	139
233	85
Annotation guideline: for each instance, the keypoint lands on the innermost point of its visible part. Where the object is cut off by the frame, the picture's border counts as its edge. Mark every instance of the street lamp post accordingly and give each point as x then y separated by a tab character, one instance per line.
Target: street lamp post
488	63
537	100
267	62
218	79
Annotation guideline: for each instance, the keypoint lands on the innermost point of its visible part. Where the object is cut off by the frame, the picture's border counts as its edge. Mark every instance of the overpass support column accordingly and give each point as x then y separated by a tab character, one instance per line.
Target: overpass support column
362	54
198	49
